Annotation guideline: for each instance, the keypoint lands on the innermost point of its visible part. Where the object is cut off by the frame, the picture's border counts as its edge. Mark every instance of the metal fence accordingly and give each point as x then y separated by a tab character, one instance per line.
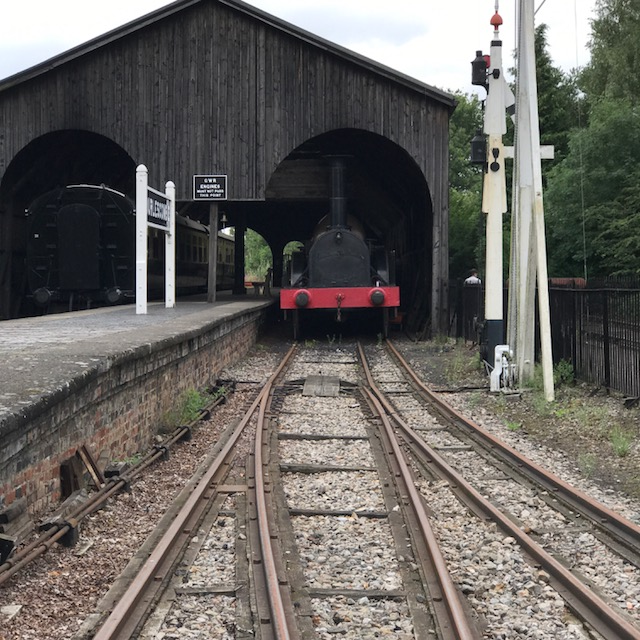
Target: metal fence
595	326
466	307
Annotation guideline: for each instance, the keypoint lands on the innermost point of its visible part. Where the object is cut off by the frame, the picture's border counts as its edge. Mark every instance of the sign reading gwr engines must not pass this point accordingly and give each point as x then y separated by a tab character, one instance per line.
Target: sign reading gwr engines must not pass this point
209	187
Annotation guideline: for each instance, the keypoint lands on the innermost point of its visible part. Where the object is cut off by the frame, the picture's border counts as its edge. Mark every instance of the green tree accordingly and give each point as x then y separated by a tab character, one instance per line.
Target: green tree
593	194
593	197
465	122
466	234
559	109
257	255
466	238
614	69
618	242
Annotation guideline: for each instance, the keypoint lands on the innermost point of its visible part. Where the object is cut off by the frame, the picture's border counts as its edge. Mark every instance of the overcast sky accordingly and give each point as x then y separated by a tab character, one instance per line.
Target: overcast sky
430	40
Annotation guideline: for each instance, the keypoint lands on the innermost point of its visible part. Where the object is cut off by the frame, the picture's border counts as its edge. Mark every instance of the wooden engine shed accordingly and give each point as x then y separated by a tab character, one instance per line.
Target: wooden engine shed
220	87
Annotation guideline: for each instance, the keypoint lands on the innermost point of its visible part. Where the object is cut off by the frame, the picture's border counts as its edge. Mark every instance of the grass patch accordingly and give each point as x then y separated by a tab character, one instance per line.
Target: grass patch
442	339
541	406
588	463
188	407
461	365
500	404
593	417
621	440
474	400
133	460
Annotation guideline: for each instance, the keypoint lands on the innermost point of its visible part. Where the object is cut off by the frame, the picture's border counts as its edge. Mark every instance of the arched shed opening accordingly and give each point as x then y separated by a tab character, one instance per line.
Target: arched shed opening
386	193
56	159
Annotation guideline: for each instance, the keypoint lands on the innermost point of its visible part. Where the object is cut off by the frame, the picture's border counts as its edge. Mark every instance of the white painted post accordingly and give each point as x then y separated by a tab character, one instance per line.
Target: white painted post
494	200
170	249
527	11
523	272
142	183
530	244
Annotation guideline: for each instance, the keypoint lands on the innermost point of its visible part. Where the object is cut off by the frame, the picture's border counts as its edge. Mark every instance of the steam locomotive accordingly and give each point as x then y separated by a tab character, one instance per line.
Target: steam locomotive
81	247
342	271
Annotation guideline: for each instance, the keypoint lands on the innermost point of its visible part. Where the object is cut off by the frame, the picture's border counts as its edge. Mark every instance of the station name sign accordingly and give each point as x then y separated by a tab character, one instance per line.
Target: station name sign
158	209
209	187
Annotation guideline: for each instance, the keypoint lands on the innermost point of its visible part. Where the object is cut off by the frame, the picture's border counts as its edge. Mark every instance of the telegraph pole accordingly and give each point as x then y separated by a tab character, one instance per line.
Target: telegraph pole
528	261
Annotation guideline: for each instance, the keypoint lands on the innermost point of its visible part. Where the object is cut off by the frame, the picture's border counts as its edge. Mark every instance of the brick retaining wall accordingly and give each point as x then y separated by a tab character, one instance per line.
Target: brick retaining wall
116	409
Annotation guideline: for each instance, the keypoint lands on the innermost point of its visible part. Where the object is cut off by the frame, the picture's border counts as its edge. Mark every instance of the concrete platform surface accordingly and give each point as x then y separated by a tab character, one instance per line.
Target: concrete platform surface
42	354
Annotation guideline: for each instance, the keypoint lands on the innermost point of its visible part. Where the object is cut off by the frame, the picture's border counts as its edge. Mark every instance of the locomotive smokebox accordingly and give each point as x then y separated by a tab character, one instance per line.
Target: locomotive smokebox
338	199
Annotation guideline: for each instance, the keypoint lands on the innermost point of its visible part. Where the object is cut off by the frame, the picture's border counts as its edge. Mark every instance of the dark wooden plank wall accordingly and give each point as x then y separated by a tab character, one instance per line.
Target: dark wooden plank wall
211	90
214	90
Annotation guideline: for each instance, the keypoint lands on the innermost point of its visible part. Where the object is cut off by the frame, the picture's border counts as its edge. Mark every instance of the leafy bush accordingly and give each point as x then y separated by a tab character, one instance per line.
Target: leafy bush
563	373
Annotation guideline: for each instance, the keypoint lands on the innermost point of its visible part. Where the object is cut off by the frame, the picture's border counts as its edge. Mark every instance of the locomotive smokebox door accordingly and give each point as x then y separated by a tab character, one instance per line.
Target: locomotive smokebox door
78	247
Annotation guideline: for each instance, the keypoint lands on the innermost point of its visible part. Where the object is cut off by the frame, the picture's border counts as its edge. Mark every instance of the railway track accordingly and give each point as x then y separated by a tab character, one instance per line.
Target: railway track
455	440
133	607
348	519
340	485
65	528
385	581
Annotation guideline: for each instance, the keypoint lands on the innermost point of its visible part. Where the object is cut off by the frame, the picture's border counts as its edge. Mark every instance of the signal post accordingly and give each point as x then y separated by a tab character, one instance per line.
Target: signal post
528	261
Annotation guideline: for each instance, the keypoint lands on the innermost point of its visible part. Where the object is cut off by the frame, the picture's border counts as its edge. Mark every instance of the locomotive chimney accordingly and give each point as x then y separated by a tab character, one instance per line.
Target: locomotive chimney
338	199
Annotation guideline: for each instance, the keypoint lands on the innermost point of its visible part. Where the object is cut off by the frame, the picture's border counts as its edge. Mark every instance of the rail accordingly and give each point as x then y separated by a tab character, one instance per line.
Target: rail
58	531
279	617
131	609
458	621
613	523
582	600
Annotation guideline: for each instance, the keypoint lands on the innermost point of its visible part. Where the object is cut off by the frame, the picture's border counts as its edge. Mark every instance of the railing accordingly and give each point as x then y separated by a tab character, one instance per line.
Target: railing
466	310
594	325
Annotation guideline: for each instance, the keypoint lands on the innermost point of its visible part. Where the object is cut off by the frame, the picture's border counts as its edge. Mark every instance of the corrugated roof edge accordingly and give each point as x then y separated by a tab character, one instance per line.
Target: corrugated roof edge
277	23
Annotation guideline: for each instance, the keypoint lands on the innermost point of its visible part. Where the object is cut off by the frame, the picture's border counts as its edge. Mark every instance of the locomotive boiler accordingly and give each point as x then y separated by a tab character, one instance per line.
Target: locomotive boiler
342	271
81	247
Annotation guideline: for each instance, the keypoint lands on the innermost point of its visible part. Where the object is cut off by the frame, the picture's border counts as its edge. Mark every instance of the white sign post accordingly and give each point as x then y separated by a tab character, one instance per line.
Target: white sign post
158	210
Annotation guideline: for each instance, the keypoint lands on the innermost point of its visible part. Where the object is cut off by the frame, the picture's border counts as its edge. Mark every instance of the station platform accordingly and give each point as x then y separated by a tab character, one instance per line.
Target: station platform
41	355
103	379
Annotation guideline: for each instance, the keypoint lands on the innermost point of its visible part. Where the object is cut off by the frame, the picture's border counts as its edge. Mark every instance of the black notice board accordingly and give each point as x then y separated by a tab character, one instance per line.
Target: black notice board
209	187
